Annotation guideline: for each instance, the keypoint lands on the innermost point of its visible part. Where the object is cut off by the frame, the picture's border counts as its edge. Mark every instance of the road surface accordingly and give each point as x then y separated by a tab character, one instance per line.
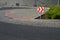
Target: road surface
11	29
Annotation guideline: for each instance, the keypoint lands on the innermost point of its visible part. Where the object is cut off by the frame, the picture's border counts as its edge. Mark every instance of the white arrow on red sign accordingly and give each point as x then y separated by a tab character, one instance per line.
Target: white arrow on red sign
40	9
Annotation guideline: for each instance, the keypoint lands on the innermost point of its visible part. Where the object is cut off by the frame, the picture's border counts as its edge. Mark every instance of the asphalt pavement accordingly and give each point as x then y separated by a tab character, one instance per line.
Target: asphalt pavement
11	29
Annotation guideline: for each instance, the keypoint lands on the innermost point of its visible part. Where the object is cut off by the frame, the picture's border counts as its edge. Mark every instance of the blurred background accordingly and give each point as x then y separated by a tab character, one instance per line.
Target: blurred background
29	2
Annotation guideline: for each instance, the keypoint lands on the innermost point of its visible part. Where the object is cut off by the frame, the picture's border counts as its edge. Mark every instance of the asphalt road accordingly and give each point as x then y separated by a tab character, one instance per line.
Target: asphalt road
11	31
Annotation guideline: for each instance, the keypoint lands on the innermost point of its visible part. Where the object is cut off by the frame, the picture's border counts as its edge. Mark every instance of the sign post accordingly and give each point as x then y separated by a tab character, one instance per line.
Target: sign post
40	10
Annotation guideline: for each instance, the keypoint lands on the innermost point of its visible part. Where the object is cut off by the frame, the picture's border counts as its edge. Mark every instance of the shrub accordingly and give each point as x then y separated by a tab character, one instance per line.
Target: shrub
53	13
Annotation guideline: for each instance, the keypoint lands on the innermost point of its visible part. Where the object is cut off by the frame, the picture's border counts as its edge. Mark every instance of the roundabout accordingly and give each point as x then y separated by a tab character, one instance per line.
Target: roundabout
16	27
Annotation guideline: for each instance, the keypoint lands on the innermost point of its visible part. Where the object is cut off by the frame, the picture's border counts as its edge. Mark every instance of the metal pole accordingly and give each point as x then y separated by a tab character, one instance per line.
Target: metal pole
35	4
58	2
40	15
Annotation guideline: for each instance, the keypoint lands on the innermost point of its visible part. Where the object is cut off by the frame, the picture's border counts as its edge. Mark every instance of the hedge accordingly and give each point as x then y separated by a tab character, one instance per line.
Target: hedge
53	13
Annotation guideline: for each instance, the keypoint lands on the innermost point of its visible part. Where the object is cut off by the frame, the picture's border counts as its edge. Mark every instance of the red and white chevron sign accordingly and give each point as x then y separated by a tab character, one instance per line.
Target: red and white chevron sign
40	9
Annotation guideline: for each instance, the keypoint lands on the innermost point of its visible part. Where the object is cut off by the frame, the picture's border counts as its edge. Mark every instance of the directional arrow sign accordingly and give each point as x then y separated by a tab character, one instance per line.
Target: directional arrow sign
40	9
